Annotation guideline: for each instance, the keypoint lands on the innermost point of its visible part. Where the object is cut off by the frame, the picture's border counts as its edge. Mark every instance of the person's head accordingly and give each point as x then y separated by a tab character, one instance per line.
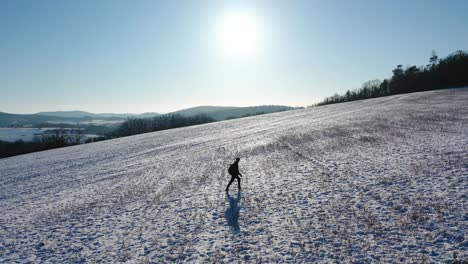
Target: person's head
237	159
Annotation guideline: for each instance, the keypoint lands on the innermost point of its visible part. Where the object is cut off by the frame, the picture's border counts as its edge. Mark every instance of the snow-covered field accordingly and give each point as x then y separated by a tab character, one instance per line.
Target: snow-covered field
380	180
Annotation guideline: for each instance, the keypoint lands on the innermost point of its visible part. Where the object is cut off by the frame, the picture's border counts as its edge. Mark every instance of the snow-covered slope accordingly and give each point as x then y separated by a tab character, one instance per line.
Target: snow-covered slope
380	180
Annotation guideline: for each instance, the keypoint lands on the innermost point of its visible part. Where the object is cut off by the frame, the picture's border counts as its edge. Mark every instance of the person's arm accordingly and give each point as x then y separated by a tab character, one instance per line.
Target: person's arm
240	174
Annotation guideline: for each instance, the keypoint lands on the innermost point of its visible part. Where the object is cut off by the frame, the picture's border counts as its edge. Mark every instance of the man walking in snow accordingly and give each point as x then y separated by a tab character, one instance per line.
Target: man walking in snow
234	171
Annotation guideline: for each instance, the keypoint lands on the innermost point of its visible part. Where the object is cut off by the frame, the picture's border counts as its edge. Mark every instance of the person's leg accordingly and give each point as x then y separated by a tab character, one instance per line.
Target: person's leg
238	182
232	179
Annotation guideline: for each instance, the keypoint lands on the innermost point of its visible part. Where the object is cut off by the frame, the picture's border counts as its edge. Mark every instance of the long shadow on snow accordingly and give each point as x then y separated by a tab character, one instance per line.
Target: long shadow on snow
232	213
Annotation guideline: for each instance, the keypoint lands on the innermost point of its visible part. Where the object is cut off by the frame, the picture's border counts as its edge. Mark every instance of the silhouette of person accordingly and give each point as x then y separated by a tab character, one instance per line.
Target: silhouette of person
234	171
232	213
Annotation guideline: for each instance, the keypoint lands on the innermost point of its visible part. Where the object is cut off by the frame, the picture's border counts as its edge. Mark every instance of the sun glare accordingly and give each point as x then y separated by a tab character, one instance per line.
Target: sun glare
238	34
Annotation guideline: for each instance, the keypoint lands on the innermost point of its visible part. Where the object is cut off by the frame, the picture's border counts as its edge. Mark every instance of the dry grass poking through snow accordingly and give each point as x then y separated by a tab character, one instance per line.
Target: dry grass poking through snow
381	180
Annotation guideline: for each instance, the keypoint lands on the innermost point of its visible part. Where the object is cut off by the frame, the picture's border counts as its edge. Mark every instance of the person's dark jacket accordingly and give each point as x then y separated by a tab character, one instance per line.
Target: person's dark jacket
234	168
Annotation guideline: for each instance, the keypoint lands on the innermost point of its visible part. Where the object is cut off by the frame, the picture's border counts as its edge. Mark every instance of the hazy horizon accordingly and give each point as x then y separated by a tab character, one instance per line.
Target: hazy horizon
147	56
139	113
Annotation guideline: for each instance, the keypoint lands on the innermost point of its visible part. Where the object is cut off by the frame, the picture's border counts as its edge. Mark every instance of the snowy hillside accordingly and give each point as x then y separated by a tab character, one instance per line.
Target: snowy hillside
380	180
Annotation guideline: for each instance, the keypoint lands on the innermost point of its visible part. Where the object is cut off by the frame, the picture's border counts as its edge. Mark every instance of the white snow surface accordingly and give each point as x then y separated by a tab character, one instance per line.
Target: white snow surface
379	180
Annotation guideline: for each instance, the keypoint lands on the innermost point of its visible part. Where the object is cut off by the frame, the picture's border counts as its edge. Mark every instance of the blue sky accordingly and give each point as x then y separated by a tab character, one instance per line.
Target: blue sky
160	56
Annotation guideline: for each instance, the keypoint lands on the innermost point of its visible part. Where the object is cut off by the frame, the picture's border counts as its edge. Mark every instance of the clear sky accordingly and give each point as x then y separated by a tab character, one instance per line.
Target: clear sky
160	56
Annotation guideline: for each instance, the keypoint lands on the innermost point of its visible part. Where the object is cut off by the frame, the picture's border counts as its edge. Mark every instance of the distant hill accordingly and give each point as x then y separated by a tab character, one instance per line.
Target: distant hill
147	115
216	112
228	112
202	110
8	120
67	114
83	114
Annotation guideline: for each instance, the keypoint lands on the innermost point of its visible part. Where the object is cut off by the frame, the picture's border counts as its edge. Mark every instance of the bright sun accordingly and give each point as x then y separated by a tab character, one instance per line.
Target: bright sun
238	34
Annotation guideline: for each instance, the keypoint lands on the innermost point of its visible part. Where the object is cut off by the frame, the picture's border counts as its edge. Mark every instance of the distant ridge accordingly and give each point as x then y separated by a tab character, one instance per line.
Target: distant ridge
216	112
203	109
227	112
83	114
7	119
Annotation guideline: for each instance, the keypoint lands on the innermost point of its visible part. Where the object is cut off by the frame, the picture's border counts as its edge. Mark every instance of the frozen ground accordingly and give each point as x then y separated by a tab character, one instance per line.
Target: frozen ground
381	180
